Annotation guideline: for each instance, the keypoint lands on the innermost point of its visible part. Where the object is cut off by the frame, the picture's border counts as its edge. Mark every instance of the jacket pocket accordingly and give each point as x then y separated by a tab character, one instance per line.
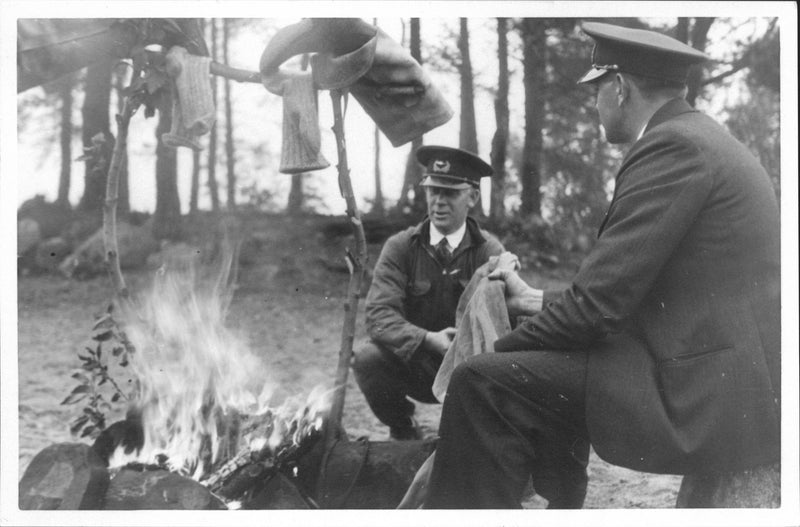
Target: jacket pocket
695	385
694	355
419	287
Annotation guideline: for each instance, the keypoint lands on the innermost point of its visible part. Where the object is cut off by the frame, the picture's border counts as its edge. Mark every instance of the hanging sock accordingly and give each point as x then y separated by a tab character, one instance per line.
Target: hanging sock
193	111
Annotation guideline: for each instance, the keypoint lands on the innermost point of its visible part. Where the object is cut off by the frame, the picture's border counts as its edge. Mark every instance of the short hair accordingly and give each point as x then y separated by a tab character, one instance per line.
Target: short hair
650	86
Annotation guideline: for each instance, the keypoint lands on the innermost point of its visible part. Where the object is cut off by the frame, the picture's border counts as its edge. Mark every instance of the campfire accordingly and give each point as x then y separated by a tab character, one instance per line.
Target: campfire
204	400
204	430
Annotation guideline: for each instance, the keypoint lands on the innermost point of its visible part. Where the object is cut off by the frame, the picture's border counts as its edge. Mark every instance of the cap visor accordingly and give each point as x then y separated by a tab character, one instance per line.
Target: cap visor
441	182
592	75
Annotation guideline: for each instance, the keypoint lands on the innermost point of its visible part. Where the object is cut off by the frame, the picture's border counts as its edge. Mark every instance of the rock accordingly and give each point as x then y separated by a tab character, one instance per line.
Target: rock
28	235
50	253
363	474
66	476
158	490
51	217
279	493
756	488
135	244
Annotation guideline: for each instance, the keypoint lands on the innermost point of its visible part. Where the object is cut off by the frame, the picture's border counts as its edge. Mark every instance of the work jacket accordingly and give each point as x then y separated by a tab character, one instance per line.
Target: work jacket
412	293
678	306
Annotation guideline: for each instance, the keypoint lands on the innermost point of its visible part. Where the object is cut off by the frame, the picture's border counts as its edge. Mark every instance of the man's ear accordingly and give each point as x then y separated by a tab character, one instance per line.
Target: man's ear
475	197
623	86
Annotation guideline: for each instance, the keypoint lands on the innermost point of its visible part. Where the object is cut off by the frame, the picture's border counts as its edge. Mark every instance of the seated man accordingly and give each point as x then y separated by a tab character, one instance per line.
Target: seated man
417	281
664	353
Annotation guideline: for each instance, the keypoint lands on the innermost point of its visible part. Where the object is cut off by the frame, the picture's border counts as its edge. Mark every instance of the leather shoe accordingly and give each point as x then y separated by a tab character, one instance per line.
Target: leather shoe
408	432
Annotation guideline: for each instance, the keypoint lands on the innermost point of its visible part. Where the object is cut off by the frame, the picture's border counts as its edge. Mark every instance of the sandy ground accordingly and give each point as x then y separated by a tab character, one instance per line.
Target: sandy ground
290	319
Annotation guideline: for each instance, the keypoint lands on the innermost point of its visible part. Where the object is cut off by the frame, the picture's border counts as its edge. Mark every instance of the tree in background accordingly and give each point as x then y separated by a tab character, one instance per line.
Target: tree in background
212	140
97	136
377	204
535	68
123	196
694	32
755	118
65	87
167	216
229	143
413	173
501	113
468	134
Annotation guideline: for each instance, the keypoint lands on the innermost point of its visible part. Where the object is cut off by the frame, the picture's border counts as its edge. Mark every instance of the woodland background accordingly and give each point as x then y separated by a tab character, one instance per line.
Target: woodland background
511	83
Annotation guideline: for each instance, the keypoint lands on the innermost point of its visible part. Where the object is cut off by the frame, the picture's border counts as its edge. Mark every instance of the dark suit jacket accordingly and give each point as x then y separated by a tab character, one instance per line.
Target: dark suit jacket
678	305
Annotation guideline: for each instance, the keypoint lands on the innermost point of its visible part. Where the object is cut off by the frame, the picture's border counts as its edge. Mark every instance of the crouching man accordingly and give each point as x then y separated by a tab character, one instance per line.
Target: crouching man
416	285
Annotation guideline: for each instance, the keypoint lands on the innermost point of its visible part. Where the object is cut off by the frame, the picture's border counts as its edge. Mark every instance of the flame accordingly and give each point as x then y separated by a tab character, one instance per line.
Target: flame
198	382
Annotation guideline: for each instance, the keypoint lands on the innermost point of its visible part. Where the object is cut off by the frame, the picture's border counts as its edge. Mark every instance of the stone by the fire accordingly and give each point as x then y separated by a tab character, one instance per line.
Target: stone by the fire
158	490
278	493
66	476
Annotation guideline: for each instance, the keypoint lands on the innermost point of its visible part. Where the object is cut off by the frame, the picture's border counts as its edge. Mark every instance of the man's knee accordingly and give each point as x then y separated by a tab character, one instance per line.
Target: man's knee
365	357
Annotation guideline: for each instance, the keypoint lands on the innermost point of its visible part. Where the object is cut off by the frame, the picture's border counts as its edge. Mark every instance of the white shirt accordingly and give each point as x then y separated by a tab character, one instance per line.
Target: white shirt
453	239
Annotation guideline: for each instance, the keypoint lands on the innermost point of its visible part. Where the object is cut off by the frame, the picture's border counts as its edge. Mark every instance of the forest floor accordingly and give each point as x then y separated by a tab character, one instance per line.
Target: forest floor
288	309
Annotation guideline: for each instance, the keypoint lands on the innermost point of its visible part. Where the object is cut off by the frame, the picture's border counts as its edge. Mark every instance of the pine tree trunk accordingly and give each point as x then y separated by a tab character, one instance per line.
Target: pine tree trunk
194	189
500	138
65	176
96	121
411	196
212	140
167	217
377	207
699	37
468	135
123	189
229	146
534	65
195	186
296	198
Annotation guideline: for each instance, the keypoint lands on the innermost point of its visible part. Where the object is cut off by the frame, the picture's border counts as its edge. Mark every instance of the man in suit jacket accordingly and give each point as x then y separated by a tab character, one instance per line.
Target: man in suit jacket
664	353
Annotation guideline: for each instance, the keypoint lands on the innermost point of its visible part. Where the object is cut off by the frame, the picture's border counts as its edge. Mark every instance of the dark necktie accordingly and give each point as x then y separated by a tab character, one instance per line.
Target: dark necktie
443	252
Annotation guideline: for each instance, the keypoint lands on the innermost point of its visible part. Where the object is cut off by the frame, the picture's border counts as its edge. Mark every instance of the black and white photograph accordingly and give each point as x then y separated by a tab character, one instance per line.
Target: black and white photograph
399	263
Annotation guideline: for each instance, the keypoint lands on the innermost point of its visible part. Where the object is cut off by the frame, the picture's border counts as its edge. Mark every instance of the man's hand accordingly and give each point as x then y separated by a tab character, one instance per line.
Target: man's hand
504	261
439	341
521	299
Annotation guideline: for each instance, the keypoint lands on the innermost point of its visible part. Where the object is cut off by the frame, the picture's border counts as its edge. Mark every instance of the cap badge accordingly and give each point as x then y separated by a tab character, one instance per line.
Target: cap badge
441	166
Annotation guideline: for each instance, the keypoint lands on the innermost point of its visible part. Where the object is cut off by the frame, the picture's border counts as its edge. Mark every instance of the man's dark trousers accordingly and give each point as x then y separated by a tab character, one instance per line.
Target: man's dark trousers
385	380
508	417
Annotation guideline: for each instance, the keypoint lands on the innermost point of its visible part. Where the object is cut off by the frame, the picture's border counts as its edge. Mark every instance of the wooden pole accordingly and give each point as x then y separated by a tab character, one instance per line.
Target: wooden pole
112	195
356	264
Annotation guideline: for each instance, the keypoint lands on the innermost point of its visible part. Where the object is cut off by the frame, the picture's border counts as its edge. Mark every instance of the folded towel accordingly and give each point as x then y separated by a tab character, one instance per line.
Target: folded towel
481	317
193	111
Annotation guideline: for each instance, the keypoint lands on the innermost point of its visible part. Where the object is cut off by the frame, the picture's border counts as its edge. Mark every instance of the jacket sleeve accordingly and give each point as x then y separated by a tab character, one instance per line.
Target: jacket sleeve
661	188
492	247
385	314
